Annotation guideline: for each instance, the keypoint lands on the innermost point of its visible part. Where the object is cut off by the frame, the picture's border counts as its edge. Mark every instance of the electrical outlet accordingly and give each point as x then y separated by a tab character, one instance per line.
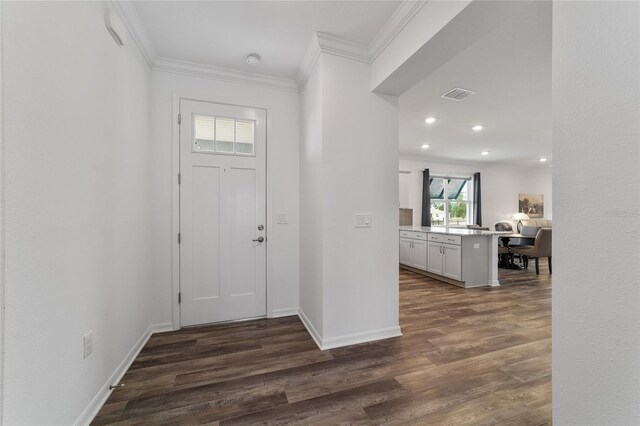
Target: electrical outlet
87	339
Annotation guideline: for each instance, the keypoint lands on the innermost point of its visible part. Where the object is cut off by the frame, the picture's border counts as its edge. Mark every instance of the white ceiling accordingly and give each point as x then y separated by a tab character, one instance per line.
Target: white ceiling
221	33
510	69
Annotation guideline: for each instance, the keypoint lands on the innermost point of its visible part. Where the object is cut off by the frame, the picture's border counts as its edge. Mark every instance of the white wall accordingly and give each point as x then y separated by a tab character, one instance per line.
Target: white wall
500	186
360	148
432	17
348	162
596	284
282	181
311	199
2	262
78	186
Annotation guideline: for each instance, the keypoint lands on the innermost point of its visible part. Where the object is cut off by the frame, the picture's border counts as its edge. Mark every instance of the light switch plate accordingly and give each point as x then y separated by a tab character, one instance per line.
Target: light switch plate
476	246
282	218
363	220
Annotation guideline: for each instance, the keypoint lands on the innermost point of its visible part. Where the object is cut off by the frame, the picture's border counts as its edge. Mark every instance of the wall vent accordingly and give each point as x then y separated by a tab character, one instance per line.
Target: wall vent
458	94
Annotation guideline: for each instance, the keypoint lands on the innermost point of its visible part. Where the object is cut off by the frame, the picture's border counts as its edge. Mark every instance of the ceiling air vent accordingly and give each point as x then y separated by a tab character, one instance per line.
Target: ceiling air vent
458	94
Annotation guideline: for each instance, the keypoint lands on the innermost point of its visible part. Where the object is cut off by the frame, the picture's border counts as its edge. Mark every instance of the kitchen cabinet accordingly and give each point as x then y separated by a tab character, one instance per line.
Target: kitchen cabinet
413	250
445	259
462	257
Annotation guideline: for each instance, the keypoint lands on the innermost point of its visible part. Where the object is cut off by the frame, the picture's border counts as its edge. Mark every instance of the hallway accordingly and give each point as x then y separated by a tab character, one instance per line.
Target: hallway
475	356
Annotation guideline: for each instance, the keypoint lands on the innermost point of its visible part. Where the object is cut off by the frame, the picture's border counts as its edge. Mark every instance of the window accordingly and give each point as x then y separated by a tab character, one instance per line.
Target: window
449	201
223	135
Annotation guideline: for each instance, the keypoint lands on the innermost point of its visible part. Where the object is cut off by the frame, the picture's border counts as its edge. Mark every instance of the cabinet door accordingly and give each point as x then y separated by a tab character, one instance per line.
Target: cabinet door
434	260
452	264
420	255
406	252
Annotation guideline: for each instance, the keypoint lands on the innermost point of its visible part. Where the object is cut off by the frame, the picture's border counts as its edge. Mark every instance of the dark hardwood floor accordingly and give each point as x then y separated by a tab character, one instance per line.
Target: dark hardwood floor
467	356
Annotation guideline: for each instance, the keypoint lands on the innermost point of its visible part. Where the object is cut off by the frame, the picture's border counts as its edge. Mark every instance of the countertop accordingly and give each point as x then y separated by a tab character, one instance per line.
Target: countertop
450	231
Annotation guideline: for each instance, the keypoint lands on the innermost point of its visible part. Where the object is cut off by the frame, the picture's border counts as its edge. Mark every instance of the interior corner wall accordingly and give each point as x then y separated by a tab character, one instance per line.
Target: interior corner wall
500	186
360	176
77	194
311	201
349	149
282	181
596	154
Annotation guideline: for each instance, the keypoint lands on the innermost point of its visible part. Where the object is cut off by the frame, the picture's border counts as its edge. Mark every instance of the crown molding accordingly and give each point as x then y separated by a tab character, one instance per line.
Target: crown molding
396	23
327	43
341	47
129	15
320	43
225	74
309	59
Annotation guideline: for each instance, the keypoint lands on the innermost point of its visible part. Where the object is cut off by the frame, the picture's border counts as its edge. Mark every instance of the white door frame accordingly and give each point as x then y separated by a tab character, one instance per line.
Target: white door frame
175	203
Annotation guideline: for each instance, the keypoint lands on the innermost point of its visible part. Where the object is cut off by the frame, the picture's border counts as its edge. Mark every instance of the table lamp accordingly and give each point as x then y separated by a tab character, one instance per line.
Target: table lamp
519	217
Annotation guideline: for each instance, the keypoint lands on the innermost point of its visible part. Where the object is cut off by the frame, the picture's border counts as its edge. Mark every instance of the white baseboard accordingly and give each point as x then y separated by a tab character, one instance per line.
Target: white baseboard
349	339
310	328
286	312
356	338
162	327
98	401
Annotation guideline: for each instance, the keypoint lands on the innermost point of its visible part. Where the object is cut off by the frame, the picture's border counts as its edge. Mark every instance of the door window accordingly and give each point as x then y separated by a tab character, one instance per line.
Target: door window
219	135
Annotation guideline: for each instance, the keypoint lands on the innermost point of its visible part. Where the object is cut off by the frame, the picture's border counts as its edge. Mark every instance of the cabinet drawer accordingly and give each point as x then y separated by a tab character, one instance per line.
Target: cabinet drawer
414	235
443	238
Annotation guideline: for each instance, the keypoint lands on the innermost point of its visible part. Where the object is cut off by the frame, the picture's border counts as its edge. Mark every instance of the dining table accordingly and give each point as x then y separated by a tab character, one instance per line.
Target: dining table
506	260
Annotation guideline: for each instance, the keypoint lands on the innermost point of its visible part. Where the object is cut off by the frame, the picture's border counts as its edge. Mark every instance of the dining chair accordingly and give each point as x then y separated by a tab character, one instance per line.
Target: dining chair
541	248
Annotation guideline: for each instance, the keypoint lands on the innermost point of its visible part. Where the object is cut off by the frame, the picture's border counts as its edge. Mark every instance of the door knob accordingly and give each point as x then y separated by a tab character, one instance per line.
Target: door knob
259	239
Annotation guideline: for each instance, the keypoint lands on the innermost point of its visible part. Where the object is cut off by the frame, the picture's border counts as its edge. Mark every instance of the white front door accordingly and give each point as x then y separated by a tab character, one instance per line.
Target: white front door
222	212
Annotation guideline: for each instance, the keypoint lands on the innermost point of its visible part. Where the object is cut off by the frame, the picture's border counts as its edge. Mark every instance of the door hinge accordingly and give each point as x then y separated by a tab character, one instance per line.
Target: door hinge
180	297
179	118
179	178
179	238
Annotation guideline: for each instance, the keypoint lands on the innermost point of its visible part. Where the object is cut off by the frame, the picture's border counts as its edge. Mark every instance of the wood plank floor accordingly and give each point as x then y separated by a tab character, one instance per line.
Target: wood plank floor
467	356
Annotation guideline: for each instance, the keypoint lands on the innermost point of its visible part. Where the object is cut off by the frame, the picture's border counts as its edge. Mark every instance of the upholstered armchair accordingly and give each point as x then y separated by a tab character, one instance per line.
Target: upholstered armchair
541	248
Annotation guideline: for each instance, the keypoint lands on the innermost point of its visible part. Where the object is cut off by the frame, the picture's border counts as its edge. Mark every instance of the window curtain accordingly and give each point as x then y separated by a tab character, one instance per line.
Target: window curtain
426	199
477	200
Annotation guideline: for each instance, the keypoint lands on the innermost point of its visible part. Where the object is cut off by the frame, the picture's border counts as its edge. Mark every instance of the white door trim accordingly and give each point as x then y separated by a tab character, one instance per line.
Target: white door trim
175	203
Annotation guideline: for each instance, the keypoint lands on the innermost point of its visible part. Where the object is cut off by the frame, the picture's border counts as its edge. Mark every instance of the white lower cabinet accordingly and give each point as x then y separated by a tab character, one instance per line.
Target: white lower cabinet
435	258
413	252
420	255
446	260
452	262
406	252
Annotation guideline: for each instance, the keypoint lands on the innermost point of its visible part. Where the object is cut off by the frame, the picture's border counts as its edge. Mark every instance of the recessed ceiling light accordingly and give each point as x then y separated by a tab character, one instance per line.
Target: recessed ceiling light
484	153
425	146
430	120
252	59
477	128
542	160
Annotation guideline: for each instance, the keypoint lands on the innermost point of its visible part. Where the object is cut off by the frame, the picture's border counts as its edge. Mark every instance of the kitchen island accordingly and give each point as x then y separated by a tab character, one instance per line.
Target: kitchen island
463	257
